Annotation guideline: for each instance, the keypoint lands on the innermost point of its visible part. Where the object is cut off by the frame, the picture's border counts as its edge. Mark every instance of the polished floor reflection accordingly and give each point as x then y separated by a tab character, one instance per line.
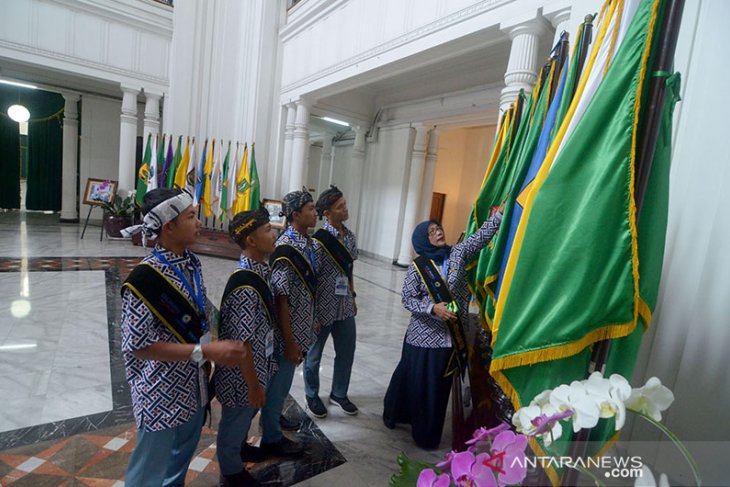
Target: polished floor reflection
68	289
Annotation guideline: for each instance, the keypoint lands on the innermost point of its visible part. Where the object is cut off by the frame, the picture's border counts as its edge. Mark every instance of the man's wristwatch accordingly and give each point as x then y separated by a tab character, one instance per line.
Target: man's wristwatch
197	355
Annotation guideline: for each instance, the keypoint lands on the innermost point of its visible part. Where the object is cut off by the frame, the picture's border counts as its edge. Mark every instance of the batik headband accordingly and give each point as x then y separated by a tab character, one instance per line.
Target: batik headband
295	201
245	223
165	212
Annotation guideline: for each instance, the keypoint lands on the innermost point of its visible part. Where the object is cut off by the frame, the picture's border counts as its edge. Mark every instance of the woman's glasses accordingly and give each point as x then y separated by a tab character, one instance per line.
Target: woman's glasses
434	230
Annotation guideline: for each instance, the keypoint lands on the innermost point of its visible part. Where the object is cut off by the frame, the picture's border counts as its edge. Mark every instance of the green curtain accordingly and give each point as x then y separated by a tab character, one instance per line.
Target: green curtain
9	152
45	151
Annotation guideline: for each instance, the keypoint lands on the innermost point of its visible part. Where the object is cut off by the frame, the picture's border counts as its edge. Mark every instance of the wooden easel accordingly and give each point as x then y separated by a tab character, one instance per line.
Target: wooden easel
86	223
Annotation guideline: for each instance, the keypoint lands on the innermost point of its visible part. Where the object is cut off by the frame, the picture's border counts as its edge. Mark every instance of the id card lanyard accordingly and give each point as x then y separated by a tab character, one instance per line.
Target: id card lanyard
198	297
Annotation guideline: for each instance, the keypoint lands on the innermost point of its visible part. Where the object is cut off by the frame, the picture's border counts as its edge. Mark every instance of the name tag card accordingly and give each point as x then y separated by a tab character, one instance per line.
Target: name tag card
341	286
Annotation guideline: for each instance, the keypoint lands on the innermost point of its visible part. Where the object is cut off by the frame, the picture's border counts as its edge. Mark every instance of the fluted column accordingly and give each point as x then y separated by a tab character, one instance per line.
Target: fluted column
69	209
559	20
428	174
151	114
300	147
522	66
358	164
413	198
325	163
127	138
291	113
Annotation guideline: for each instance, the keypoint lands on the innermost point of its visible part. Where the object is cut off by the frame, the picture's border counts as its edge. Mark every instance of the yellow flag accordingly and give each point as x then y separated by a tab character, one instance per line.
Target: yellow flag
243	184
181	175
207	171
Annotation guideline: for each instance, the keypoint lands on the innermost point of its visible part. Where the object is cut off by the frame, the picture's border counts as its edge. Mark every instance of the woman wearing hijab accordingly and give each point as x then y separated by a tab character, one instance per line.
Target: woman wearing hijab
421	383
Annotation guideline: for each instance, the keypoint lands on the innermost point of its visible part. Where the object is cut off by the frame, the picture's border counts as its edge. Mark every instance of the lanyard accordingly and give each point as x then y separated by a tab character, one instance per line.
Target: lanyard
186	283
445	269
306	250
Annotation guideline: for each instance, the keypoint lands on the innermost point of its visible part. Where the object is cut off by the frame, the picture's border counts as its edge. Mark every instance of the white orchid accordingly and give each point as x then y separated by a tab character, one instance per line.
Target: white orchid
575	397
610	395
542	399
647	479
523	417
651	399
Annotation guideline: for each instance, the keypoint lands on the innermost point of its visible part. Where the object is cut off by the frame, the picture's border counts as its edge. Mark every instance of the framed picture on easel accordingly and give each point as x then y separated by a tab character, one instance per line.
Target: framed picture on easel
99	191
274	207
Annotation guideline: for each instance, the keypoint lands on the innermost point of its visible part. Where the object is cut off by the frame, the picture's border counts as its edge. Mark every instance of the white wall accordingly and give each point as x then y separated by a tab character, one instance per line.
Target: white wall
122	41
463	155
385	176
314	156
98	144
223	75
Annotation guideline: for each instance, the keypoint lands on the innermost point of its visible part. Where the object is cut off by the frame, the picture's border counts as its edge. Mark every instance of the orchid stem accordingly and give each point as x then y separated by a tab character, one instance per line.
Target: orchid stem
687	455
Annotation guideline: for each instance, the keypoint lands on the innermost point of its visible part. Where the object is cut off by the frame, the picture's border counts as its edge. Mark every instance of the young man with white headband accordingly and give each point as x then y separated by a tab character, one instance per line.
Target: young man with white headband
166	342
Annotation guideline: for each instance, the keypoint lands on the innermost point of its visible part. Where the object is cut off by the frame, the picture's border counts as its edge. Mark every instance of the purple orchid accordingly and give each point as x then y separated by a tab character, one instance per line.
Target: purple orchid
470	471
545	423
446	464
483	434
429	478
508	458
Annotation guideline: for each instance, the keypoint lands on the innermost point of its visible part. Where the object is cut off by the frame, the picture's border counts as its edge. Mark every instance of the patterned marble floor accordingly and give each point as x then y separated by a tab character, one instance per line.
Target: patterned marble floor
369	449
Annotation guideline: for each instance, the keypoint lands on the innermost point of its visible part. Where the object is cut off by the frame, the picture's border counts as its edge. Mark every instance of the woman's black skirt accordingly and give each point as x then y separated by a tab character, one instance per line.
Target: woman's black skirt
418	393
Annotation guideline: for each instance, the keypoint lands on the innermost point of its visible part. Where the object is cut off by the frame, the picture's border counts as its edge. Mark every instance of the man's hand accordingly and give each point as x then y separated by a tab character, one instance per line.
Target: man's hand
257	396
293	353
229	353
442	312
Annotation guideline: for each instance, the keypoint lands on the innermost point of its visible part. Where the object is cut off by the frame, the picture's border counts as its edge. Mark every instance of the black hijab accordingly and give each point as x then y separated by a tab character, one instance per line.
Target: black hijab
424	247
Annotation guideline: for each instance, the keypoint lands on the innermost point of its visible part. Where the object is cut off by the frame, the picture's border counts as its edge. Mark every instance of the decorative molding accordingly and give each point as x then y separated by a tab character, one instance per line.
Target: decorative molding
423	31
150	16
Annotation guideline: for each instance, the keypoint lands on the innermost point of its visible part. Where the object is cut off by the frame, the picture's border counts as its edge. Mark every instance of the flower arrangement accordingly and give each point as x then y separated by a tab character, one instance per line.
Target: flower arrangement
496	457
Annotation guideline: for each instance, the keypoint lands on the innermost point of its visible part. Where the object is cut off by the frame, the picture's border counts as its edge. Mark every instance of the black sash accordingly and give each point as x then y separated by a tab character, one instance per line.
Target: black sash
299	263
439	291
336	249
167	302
249	278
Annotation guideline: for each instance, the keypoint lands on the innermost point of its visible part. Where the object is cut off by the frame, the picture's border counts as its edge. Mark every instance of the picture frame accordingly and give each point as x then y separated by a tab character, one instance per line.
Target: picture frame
100	191
274	207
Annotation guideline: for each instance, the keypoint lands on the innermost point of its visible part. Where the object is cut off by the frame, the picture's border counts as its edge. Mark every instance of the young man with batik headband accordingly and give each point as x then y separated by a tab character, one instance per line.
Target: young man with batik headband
248	316
435	291
166	342
293	278
335	250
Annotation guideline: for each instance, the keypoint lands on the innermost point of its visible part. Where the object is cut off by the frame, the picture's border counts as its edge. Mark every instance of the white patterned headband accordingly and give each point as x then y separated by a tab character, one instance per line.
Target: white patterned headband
165	212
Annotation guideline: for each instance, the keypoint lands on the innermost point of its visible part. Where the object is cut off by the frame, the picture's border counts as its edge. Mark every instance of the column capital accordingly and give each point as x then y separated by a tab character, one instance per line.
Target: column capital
70	97
535	26
129	89
152	95
559	16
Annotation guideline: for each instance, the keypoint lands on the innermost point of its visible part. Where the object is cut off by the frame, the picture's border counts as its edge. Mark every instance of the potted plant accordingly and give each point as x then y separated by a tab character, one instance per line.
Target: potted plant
118	214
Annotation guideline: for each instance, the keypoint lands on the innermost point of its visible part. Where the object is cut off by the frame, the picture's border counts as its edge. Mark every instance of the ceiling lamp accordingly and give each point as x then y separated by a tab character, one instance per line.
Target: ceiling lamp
18	113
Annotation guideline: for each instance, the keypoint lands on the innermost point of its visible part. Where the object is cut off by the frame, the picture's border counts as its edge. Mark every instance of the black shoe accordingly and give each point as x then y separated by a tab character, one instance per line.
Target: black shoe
289	424
241	479
283	448
316	407
389	423
349	408
252	454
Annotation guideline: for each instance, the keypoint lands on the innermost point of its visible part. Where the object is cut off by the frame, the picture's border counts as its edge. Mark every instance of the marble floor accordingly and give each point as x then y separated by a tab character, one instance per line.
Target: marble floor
36	240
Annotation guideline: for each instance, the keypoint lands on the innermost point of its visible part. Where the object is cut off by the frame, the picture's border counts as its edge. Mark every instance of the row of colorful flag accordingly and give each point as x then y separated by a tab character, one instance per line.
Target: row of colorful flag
572	264
223	181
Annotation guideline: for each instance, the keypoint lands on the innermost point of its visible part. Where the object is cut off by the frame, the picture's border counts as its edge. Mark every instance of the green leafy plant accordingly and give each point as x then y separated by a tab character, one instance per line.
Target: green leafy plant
120	206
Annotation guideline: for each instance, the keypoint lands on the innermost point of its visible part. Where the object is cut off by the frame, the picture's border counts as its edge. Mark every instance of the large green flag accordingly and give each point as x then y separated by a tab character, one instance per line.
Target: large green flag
143	175
170	178
499	188
573	274
255	195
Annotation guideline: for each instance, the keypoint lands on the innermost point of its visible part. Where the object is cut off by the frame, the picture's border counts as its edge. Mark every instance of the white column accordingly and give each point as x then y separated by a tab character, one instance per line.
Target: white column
325	164
413	198
522	66
69	210
358	163
291	113
300	147
127	138
151	114
428	174
559	20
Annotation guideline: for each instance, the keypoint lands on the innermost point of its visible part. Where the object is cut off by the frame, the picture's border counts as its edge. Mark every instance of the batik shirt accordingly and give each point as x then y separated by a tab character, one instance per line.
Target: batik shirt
426	329
286	282
244	317
331	307
164	394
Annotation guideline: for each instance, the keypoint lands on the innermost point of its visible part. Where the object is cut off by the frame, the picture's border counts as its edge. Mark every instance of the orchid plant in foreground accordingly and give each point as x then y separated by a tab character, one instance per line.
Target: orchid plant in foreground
496	457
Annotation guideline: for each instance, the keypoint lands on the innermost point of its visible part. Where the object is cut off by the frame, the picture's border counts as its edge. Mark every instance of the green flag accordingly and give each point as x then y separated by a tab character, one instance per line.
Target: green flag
255	195
573	273
170	178
225	183
144	172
